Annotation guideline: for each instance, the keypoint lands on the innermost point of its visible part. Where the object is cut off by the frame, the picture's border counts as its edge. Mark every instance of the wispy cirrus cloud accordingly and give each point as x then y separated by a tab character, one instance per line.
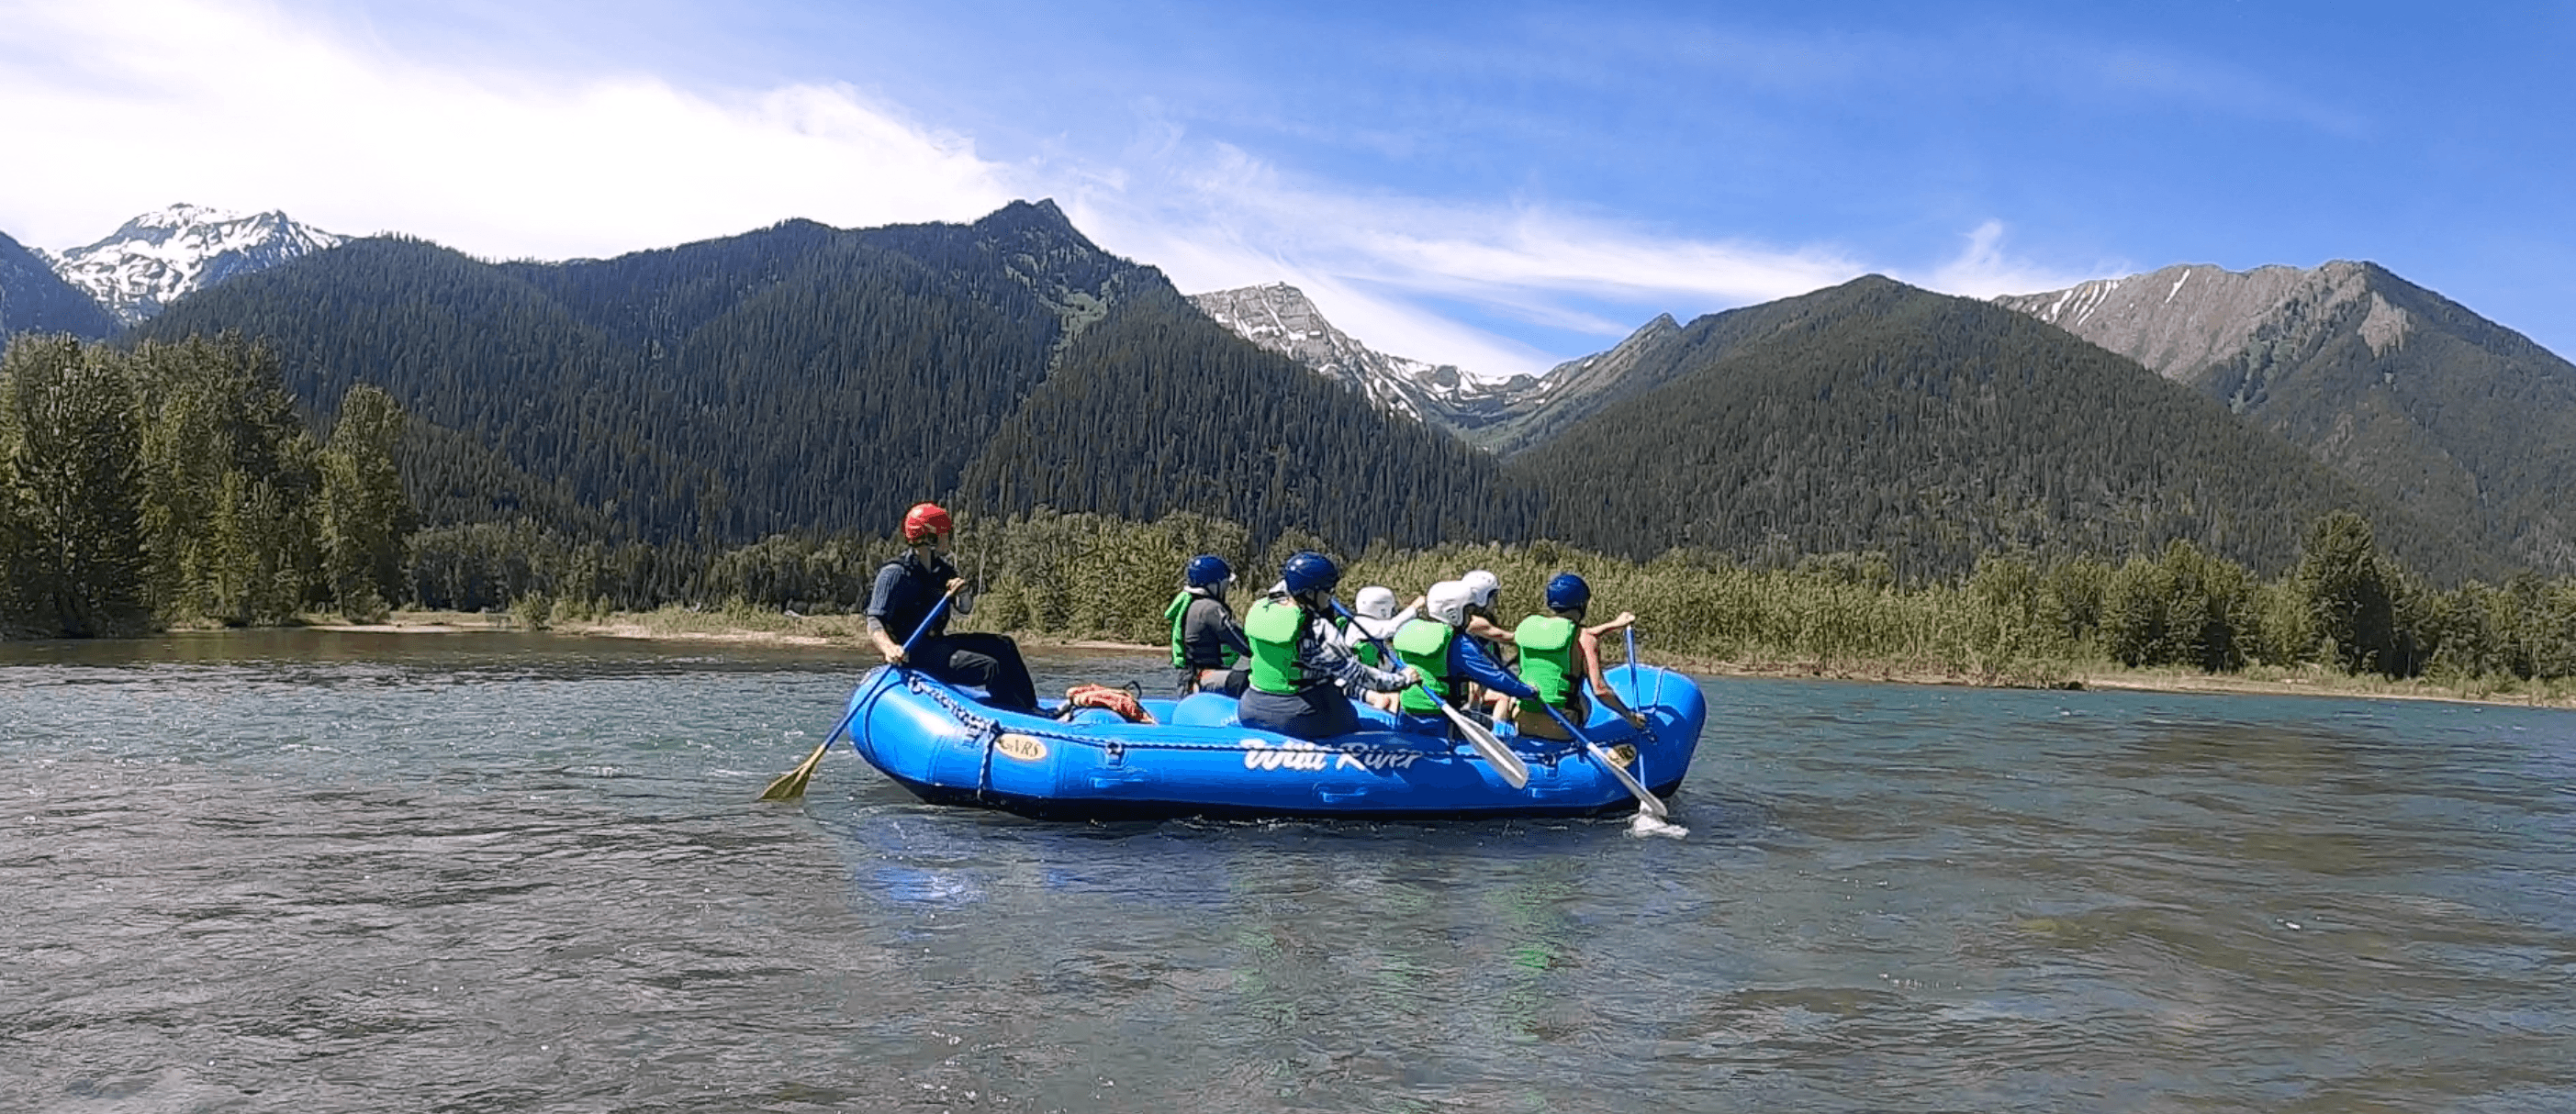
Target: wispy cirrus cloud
1983	269
1215	217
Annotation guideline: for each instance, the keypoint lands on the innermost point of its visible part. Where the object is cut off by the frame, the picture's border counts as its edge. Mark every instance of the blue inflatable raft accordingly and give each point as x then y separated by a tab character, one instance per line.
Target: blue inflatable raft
947	747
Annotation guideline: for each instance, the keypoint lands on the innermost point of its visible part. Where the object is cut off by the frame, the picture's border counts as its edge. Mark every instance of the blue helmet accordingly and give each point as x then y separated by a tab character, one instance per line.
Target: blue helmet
1310	571
1566	591
1206	570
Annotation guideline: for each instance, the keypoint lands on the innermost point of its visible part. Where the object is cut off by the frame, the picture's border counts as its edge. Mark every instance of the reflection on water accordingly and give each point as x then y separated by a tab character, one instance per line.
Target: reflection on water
286	870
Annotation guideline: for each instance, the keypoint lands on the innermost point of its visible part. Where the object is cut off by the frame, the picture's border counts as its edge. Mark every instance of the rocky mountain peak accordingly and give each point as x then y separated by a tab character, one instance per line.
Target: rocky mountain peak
159	256
1279	317
2184	319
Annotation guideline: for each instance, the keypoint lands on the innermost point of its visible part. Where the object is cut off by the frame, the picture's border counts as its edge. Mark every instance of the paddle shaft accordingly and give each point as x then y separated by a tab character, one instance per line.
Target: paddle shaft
922	629
1648	801
792	783
1505	762
1636	683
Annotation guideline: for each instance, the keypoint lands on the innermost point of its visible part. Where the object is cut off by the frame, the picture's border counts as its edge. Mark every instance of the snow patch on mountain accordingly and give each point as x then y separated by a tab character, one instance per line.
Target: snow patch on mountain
1279	317
161	256
2205	316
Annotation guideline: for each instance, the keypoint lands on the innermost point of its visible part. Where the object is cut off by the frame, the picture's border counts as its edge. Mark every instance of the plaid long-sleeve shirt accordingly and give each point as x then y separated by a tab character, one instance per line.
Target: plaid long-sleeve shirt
1321	653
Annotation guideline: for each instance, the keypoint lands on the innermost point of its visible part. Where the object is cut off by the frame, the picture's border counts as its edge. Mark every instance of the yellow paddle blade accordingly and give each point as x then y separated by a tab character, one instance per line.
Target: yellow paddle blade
791	785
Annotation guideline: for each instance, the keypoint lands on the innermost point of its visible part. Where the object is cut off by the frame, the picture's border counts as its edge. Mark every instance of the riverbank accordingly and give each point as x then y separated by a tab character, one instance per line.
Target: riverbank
2311	681
790	629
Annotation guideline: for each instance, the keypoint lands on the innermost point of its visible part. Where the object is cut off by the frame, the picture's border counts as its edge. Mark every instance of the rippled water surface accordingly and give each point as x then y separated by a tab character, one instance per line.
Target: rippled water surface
303	871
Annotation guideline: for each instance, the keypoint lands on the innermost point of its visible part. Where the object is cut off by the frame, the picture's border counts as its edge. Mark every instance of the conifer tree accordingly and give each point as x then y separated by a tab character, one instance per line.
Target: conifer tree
2349	591
365	517
228	483
67	428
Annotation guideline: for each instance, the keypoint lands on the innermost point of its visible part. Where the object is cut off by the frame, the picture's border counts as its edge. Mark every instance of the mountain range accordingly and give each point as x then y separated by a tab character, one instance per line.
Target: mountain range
807	378
1503	415
804	377
1877	416
2406	392
1278	317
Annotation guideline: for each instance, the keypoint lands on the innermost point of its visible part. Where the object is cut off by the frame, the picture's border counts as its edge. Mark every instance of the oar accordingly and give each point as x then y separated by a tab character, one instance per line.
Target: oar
1636	681
791	785
1652	805
1501	757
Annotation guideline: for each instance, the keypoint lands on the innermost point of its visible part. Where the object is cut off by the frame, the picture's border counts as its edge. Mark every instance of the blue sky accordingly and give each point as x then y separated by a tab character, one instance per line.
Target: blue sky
1497	185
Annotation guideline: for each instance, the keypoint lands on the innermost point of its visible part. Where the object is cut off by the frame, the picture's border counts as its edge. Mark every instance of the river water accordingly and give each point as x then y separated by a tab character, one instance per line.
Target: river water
490	872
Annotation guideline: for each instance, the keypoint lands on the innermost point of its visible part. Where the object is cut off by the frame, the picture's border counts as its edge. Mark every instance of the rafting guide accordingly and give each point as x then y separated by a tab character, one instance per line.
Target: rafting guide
907	589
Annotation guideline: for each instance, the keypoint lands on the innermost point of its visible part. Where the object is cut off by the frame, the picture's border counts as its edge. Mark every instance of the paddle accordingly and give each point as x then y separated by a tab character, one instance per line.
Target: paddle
1648	802
1501	757
791	785
1636	683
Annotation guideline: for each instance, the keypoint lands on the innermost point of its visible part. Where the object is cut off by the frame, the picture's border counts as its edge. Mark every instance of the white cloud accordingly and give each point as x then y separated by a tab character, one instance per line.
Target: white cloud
121	107
1982	269
1216	218
113	108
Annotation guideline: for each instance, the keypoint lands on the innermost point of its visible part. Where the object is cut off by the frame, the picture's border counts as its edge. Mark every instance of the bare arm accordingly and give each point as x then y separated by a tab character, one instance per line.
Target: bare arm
1590	645
1625	620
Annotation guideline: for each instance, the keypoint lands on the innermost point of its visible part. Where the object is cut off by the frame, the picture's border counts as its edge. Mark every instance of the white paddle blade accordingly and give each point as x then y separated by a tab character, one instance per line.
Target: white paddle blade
1499	756
1647	802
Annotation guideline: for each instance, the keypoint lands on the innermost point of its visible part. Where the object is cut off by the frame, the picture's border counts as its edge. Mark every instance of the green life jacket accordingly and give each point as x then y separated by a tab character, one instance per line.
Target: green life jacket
1424	645
1173	614
1547	657
1177	614
1273	628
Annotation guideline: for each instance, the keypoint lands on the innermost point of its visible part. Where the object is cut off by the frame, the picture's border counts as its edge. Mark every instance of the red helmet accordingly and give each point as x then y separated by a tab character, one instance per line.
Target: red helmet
924	520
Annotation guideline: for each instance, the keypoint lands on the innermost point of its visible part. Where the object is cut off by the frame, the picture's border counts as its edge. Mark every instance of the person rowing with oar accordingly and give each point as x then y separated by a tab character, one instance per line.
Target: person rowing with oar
1437	646
1373	622
1559	655
908	590
1299	665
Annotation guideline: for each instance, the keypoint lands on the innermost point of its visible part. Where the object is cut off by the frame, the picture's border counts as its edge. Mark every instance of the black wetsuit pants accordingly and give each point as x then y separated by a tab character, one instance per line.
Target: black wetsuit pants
989	661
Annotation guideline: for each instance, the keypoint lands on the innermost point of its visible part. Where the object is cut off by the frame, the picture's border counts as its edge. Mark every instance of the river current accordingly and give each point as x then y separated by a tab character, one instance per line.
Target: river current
309	871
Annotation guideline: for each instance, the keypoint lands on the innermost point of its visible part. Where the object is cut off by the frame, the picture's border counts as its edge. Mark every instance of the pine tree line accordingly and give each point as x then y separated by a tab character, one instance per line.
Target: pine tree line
174	484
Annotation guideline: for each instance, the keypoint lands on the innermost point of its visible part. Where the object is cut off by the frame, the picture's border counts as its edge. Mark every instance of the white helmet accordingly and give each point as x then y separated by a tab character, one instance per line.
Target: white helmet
1448	602
1376	602
1483	588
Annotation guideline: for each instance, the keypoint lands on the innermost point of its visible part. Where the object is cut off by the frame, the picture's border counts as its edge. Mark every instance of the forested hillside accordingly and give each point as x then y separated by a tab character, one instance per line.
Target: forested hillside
668	405
174	484
1875	416
803	378
1159	409
1658	353
764	383
33	299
